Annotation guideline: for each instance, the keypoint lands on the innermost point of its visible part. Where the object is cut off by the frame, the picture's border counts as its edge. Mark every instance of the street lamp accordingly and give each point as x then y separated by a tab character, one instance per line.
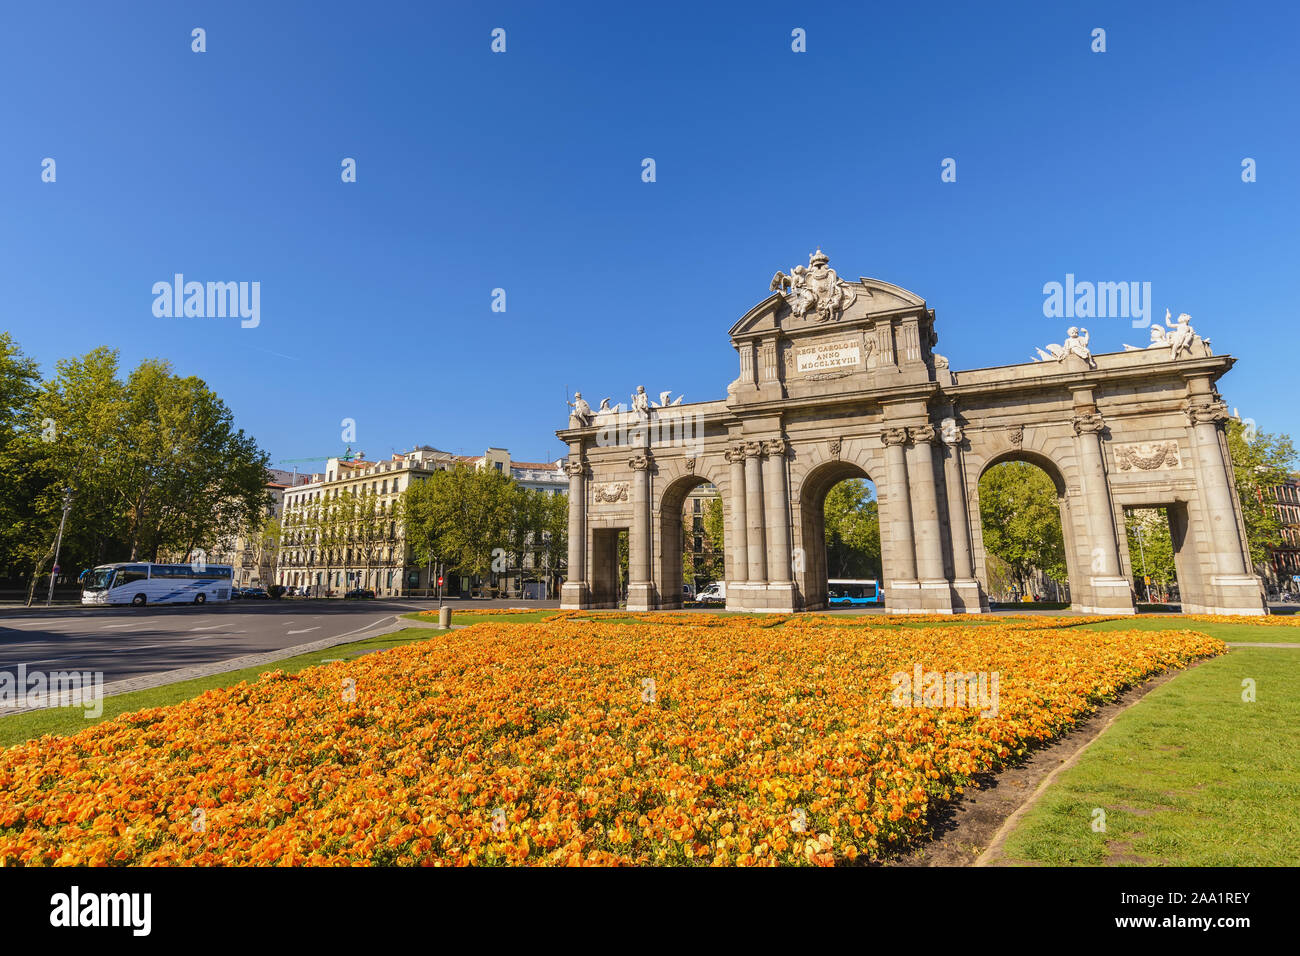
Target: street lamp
58	544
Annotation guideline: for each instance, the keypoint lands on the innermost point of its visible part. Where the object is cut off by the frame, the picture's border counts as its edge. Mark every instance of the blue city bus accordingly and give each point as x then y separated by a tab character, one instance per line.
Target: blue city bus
853	593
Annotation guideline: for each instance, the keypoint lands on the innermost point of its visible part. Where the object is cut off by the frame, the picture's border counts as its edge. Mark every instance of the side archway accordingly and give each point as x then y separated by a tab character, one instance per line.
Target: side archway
670	534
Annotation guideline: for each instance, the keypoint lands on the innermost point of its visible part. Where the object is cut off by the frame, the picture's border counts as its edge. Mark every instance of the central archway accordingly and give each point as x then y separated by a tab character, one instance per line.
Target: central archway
1047	469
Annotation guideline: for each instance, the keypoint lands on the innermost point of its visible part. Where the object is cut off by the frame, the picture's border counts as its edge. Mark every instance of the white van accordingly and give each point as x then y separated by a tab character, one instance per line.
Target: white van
715	593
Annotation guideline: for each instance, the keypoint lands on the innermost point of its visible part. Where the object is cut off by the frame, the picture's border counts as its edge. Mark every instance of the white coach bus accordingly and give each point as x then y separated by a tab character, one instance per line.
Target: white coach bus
142	582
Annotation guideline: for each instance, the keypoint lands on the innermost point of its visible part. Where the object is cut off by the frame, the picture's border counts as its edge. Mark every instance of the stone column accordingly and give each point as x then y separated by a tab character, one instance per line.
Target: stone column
1233	589
640	588
756	539
1206	416
963	566
925	506
573	593
736	537
902	593
1110	589
936	592
776	486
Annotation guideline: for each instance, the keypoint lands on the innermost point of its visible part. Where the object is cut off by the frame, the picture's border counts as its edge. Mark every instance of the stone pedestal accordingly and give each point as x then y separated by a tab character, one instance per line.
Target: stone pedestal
574	595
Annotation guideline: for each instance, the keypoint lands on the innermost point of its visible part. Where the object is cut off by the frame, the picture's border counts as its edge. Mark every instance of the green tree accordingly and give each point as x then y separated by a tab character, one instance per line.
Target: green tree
69	440
1259	460
461	516
852	526
555	538
19	387
1022	521
1150	546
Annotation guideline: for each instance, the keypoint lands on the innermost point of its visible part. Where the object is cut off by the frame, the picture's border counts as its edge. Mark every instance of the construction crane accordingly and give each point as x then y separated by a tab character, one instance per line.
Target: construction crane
348	455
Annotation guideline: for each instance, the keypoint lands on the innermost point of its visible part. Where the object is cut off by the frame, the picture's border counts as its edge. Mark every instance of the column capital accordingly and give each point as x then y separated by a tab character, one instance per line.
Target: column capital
894	436
1205	411
736	453
777	447
753	449
950	432
575	468
922	434
1090	423
639	462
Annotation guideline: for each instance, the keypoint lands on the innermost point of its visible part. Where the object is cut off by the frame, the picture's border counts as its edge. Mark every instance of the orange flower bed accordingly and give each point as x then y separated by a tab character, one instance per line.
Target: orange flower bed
1266	620
566	743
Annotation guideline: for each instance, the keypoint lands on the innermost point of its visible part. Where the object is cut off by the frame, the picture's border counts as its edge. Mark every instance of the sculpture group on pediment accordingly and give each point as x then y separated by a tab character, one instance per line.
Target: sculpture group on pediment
814	288
1177	336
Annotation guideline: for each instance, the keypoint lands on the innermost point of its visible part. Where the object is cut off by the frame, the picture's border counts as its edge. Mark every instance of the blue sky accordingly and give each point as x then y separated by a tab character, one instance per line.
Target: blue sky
522	171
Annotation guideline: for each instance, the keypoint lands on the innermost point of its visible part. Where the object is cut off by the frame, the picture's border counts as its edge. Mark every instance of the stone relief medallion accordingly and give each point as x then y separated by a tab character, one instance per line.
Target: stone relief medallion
1148	456
835	445
690	466
611	491
1016	435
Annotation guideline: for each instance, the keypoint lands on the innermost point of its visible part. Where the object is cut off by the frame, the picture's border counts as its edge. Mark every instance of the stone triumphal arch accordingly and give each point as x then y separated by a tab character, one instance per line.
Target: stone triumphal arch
838	380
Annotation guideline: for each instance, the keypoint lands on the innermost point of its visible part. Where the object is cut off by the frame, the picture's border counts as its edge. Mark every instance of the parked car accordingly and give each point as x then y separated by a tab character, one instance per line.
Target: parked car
359	593
236	594
688	592
255	594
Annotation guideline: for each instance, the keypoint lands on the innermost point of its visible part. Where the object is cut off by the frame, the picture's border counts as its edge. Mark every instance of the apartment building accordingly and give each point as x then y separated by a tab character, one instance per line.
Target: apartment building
376	554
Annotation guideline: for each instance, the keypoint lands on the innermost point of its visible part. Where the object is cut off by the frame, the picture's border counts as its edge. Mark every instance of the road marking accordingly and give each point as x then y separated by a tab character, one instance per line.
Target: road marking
306	629
206	627
109	627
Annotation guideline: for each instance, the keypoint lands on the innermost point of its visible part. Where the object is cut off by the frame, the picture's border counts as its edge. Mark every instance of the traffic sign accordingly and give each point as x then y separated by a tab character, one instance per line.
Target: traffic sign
439	582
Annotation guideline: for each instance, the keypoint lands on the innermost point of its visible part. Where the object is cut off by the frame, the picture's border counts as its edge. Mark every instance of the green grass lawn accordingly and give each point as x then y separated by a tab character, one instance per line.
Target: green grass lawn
70	720
1191	775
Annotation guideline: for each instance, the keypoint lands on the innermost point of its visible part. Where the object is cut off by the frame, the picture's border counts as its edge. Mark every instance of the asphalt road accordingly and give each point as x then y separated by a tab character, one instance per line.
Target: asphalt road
125	642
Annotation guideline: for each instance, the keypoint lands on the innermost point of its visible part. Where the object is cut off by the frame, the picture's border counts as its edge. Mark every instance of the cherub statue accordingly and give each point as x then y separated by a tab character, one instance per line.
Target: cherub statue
1076	343
641	402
